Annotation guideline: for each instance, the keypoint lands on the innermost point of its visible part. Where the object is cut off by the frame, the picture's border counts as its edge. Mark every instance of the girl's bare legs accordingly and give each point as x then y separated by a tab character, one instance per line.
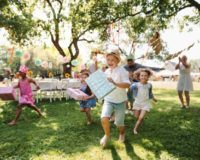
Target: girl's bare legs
187	97
88	115
139	121
35	109
18	113
180	94
136	113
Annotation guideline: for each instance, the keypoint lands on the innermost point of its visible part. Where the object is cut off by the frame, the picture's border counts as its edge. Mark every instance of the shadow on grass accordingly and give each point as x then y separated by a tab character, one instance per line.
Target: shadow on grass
167	128
64	131
175	131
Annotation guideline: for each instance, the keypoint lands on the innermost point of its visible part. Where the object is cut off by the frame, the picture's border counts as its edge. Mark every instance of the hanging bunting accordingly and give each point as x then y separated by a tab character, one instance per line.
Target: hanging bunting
172	56
11	51
18	53
44	64
74	62
38	62
50	65
26	56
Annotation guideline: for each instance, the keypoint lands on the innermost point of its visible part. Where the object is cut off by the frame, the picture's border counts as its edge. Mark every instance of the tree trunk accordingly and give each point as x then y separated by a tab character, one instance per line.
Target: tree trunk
67	68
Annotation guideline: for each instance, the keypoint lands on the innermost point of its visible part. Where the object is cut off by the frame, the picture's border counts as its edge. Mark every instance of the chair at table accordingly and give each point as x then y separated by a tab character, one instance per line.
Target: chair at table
46	89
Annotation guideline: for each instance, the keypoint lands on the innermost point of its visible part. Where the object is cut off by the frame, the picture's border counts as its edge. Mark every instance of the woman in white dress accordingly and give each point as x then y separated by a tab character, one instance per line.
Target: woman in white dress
185	81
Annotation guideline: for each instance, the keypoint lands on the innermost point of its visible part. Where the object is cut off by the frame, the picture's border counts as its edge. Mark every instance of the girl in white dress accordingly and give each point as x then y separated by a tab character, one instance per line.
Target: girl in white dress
185	81
142	92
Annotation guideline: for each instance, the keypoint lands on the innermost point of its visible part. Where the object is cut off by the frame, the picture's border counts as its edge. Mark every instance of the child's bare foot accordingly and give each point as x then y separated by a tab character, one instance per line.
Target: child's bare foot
89	123
12	123
104	140
122	138
135	131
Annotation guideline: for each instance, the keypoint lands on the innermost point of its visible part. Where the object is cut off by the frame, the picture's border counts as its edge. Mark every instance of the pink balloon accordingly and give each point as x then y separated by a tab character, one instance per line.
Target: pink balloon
26	56
44	64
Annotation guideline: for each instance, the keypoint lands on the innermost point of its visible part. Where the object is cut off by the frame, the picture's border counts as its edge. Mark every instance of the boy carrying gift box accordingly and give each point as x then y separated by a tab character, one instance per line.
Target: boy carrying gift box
115	101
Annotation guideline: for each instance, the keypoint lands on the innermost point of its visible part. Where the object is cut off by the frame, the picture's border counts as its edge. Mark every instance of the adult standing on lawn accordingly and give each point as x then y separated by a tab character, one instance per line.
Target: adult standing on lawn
131	66
185	81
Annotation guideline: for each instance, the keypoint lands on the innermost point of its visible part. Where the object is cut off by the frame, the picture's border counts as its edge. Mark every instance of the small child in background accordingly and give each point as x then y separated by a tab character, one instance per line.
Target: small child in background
133	78
26	95
89	101
142	92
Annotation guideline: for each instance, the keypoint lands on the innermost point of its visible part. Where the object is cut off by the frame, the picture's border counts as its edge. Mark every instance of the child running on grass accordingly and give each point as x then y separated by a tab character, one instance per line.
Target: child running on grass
26	95
88	102
115	101
142	92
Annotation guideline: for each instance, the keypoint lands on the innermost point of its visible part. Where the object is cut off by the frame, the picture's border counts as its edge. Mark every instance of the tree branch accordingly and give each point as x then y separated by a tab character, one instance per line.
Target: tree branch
84	39
182	8
194	4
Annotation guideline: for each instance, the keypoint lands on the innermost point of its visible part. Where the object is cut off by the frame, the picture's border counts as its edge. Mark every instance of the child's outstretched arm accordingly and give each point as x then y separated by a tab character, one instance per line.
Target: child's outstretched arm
125	82
151	95
16	86
178	65
32	81
89	97
120	85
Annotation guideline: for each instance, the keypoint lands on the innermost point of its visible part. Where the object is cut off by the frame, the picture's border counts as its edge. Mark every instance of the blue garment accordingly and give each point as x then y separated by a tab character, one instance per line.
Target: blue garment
134	89
90	103
134	67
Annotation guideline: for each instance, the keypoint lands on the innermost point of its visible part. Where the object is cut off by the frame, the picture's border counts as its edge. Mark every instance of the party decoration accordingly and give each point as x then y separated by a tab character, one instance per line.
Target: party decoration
11	50
30	73
67	75
44	64
155	43
65	59
50	65
172	56
50	74
18	53
74	62
38	62
26	56
83	67
62	59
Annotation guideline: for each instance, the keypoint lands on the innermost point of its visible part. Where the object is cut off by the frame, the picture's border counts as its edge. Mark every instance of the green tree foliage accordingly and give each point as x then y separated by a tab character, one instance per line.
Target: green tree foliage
16	18
83	17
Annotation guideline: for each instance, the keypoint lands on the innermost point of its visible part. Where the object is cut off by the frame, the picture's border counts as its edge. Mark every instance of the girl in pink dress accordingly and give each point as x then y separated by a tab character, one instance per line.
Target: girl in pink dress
26	95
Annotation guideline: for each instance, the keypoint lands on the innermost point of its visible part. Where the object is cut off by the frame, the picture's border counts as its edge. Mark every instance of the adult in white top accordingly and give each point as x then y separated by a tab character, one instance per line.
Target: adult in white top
185	81
115	101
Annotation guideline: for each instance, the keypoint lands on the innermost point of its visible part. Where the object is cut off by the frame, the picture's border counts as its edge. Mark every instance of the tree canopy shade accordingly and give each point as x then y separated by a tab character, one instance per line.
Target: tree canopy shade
83	17
16	18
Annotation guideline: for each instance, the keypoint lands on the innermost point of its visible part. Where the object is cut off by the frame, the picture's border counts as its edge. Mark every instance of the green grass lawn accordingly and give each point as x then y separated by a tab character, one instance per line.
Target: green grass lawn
168	132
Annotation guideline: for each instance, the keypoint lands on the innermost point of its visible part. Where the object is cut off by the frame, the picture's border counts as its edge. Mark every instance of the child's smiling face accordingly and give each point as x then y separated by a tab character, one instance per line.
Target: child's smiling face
144	77
112	61
83	78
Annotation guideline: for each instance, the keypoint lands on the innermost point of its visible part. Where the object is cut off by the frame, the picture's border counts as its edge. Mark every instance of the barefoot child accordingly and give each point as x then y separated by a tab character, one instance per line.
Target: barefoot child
115	101
142	92
89	101
26	95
